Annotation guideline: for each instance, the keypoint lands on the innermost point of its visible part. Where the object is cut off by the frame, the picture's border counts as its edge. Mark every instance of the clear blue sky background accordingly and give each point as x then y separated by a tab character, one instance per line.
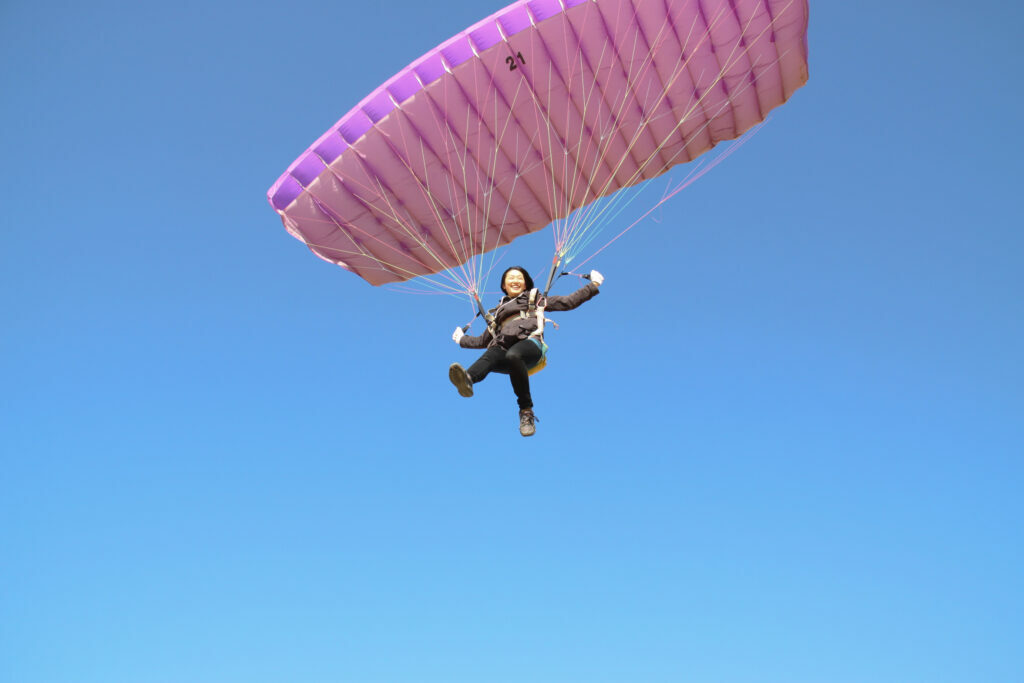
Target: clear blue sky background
786	443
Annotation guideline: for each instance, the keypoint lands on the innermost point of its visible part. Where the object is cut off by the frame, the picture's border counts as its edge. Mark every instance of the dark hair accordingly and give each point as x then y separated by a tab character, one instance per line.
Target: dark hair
526	277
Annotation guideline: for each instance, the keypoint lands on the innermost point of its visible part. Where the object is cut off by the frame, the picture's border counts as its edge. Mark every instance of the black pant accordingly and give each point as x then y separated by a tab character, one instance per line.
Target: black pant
514	362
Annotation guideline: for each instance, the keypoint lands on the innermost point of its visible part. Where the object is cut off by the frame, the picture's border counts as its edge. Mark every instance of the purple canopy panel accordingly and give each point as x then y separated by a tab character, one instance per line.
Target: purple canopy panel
534	112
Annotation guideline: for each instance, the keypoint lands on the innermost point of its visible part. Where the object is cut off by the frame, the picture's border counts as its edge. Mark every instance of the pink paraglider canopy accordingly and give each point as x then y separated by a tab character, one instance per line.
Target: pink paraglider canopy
530	114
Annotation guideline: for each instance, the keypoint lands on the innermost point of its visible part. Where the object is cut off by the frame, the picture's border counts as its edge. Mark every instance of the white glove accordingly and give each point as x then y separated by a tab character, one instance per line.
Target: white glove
596	277
458	334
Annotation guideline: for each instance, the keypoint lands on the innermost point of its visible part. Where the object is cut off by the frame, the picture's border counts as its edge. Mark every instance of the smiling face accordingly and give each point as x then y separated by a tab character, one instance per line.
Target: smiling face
514	283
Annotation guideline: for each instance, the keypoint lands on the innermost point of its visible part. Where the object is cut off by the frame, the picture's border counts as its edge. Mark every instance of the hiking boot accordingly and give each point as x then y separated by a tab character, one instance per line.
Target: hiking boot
460	378
526	422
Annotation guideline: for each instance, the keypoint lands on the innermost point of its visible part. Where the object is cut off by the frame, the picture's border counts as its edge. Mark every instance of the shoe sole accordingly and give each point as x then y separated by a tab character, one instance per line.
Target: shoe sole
458	377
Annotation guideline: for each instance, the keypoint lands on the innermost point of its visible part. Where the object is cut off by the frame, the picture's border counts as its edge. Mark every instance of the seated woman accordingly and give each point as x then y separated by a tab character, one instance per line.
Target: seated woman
514	342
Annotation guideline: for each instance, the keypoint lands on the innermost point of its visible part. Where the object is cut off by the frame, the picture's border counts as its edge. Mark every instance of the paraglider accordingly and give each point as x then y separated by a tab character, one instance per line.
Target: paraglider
515	338
544	113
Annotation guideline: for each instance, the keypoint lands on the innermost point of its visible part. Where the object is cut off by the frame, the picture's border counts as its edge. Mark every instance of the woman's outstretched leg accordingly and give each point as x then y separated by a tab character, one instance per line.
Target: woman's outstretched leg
492	359
465	379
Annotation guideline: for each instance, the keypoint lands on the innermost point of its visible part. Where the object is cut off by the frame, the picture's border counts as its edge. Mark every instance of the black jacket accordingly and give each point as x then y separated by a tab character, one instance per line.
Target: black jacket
514	322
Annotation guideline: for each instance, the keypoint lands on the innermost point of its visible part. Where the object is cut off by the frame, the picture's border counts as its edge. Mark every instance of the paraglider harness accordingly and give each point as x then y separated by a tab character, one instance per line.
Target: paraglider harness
537	336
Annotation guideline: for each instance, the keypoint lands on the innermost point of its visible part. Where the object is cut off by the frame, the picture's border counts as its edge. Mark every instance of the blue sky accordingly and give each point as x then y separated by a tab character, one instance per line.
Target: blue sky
784	444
